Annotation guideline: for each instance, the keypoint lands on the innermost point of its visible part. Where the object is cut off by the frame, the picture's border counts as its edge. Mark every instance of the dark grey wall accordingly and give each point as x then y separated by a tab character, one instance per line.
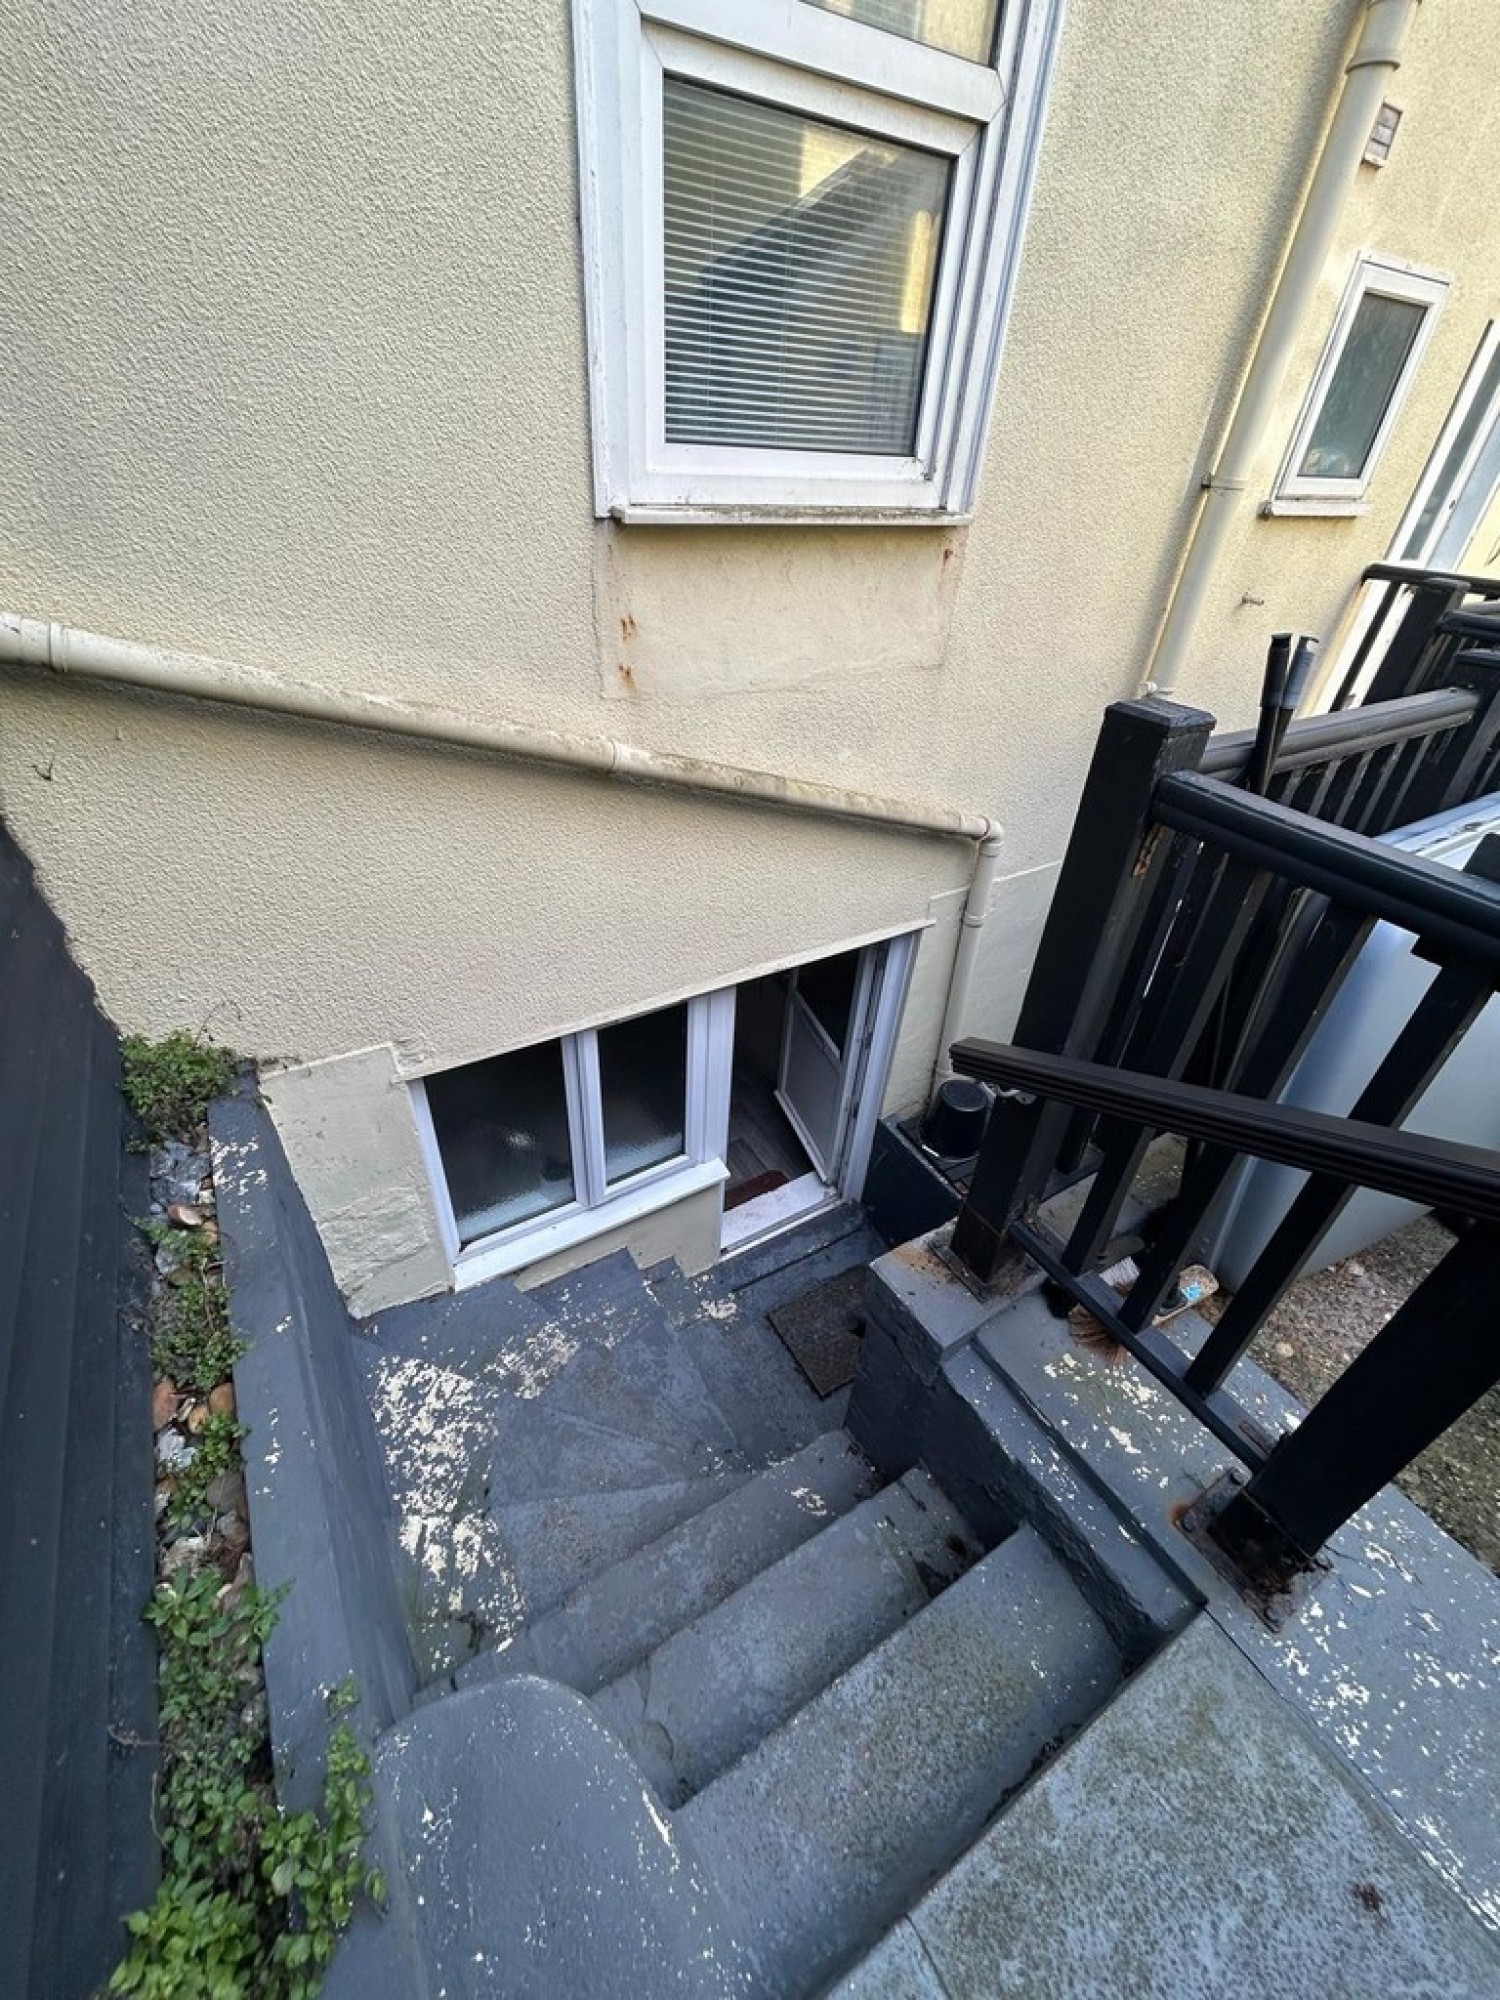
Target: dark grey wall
320	1512
77	1666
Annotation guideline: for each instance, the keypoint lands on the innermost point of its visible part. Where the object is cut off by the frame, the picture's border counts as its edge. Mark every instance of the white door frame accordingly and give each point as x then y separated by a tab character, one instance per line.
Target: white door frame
874	1028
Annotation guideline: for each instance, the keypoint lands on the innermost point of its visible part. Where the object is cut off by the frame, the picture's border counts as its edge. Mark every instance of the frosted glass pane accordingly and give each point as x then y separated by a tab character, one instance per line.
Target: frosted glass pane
502	1129
1363	383
961	27
643	1085
800	265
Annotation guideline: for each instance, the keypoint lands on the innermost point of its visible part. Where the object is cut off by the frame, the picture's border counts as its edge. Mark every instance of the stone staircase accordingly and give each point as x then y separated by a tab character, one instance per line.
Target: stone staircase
708	1704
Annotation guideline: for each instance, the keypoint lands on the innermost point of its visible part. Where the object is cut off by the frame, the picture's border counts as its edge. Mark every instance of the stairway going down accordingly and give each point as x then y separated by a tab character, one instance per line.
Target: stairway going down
709	1705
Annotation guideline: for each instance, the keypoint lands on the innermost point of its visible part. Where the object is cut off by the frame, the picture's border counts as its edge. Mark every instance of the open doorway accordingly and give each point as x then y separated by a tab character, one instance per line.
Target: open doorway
811	1053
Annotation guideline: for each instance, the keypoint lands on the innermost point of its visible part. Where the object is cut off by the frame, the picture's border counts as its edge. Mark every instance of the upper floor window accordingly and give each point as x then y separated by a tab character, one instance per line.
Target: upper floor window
801	225
1384	323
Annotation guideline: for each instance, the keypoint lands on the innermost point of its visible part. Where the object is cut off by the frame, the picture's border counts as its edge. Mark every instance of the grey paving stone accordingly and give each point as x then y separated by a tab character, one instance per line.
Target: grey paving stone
1199	1843
714	1689
827	1832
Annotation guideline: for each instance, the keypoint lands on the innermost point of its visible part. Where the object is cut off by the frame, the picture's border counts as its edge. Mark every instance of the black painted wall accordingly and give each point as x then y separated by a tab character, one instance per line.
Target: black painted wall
77	1665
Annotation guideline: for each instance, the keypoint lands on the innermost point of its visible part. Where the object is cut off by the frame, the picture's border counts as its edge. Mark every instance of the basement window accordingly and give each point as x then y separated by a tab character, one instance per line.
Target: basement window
1383	326
801	225
541	1147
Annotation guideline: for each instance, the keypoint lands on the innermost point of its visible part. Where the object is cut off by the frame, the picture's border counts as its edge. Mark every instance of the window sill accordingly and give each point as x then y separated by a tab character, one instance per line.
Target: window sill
497	1260
1328	510
630	516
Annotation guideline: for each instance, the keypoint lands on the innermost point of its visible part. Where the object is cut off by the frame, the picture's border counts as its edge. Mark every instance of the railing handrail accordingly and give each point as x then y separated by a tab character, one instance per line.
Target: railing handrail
1428	897
1438	1173
1389	572
1313	738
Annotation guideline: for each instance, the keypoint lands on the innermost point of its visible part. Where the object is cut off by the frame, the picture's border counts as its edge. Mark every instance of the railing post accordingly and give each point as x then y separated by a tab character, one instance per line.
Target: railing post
1103	888
1435	1357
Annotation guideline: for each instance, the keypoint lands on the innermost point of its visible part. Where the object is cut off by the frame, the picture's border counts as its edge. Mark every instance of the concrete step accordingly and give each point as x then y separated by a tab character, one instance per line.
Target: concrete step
715	1689
528	1859
610	1623
832	1828
1195	1839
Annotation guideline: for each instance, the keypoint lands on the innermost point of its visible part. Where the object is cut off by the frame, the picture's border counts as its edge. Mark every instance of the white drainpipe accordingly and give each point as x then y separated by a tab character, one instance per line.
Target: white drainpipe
1366	76
40	642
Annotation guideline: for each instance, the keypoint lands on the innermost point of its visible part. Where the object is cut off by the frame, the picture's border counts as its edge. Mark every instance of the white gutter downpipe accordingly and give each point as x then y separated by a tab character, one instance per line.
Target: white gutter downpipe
1366	75
63	649
966	952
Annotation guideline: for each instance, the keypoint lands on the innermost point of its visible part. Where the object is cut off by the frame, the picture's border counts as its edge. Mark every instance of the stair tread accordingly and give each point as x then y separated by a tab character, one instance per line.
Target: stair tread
531	1860
612	1621
830	1829
714	1689
452	1445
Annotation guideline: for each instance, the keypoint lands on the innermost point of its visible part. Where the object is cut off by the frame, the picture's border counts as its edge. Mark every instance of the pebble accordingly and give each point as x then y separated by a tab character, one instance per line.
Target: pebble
173	1450
188	1552
1285	1349
221	1400
226	1493
197	1417
163	1403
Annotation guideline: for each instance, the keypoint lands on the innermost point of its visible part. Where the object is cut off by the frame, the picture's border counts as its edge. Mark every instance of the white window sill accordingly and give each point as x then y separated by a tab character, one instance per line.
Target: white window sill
727	516
497	1260
1328	510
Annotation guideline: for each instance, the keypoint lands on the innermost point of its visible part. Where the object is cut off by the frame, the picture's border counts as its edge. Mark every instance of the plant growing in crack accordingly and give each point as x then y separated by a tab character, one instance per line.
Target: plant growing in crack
169	1084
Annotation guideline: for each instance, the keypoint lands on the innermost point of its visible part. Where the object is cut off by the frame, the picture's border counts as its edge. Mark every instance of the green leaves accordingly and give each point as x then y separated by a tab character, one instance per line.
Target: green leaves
171	1083
253	1900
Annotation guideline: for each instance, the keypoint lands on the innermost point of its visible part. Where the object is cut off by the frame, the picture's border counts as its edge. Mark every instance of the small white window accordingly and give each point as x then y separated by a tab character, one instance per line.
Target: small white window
801	225
544	1146
1384	323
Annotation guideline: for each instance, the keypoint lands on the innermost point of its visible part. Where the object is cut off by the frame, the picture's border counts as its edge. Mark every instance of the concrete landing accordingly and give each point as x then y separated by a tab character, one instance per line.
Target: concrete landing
1395	1659
1196	1842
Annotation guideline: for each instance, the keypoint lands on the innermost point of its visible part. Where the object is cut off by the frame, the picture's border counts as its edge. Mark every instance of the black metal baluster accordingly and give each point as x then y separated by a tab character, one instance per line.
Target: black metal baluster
1436	1356
1438	1023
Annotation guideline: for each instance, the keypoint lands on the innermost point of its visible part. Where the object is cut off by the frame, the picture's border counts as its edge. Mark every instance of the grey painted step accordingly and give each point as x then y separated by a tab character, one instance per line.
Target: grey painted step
483	1573
745	1367
455	1443
535	1864
608	1624
716	1688
860	1246
824	1835
1196	1839
490	1328
761	1260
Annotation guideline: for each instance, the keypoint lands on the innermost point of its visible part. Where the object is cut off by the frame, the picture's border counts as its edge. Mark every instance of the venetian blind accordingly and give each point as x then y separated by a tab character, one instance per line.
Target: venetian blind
800	263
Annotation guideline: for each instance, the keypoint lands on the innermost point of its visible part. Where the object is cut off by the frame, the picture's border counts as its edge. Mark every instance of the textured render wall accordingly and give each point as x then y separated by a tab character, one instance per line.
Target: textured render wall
1433	206
296	371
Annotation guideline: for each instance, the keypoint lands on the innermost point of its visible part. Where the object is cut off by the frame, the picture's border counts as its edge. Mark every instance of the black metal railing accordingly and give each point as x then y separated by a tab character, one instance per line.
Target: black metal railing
1196	938
1410	624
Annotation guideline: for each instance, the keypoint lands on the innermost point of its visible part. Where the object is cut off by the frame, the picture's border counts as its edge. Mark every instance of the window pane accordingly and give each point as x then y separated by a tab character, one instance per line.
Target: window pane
827	985
962	27
800	265
502	1129
1363	383
1444	485
643	1085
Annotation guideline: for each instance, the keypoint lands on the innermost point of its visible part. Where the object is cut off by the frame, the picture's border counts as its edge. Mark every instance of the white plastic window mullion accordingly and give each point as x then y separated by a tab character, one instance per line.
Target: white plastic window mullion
585	1115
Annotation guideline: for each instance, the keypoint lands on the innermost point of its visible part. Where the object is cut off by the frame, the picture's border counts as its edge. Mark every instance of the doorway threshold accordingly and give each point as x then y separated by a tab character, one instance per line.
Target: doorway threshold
769	1214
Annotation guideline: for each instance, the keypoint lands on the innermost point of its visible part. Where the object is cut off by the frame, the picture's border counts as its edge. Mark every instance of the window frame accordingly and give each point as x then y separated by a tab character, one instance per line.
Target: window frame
597	1204
1386	277
986	118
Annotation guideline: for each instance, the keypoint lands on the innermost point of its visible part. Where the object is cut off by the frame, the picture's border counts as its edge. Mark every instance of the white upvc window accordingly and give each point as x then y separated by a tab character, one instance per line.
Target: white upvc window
802	221
1385	320
540	1148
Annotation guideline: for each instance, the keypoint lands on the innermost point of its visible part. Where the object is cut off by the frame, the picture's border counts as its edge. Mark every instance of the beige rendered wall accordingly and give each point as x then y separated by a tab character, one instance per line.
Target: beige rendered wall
296	372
